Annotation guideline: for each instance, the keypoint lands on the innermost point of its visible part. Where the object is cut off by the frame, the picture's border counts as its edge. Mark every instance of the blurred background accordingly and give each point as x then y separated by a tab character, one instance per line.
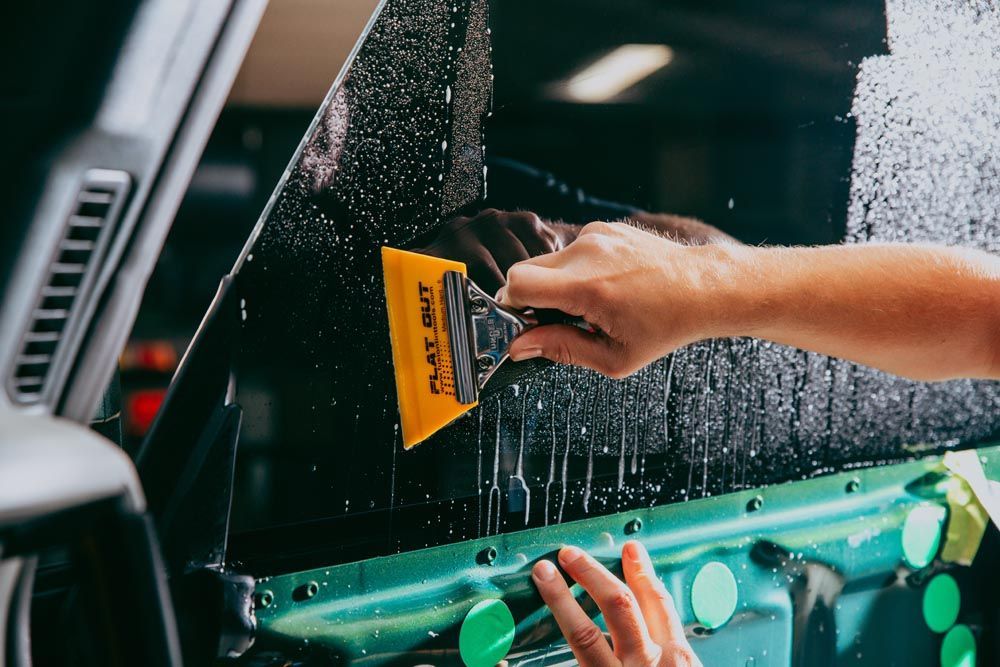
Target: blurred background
295	56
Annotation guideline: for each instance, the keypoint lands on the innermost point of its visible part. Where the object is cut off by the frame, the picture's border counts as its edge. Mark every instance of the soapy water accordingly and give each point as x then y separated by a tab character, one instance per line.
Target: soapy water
386	158
398	146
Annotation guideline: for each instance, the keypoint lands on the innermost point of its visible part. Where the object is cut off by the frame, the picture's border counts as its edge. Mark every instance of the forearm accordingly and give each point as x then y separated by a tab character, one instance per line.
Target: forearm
925	312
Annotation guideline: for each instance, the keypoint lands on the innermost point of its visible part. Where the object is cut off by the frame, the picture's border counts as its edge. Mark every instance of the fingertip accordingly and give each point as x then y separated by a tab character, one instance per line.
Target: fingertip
544	571
569	555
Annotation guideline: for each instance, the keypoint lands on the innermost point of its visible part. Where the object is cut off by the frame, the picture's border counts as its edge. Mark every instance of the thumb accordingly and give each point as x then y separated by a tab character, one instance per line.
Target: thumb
566	344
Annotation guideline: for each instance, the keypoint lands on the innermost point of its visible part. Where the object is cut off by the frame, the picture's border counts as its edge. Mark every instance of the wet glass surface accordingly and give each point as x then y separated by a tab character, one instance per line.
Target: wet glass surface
790	125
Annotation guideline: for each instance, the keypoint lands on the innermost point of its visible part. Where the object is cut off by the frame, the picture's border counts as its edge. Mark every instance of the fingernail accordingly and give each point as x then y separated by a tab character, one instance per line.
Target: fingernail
501	293
544	571
631	552
570	554
526	353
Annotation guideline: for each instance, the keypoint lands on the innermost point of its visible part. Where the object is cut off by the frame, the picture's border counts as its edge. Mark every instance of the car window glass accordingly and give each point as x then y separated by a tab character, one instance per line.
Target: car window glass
780	124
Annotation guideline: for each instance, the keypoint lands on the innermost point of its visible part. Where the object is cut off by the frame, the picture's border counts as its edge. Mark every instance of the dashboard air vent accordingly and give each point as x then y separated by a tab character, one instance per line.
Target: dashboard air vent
86	234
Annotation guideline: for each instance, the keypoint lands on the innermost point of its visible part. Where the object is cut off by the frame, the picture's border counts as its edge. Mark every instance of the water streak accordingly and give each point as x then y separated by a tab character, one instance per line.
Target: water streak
621	444
495	488
552	455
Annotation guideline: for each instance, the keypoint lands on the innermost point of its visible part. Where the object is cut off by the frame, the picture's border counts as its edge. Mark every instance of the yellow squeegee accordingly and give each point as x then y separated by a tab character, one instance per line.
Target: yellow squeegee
448	338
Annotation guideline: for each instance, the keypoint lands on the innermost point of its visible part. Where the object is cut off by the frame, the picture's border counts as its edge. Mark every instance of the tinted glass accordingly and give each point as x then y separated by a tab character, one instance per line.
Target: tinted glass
788	123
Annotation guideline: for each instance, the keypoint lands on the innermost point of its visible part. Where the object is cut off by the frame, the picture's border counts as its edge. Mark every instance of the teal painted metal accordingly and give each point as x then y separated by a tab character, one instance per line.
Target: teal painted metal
839	536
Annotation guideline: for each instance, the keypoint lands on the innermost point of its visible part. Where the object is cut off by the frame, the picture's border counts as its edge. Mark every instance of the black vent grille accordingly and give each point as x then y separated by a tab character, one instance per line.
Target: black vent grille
85	238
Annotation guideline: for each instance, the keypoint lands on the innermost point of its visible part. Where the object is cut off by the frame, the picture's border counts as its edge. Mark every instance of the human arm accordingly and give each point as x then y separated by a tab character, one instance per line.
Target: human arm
645	629
922	311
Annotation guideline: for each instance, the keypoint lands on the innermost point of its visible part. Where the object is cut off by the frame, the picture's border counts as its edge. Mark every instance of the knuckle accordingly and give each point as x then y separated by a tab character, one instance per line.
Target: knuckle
528	219
620	602
562	353
585	636
595	227
622	228
660	592
616	366
680	654
529	225
515	276
654	654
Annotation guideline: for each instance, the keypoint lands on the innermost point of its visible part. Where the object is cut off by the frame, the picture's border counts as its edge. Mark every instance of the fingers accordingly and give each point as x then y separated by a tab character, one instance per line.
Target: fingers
617	602
493	241
584	637
560	279
657	605
483	270
538	237
530	285
570	345
506	248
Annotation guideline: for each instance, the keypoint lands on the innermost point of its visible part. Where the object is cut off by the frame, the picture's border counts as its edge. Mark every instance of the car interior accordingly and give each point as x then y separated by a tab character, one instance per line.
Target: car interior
199	439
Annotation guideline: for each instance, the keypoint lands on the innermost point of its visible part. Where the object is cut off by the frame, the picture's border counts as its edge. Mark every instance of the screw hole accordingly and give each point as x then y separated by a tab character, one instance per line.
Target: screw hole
487	556
305	591
633	526
755	503
478	305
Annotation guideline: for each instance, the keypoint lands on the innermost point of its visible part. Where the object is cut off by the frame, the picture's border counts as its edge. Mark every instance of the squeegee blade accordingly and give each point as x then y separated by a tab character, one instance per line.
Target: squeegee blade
422	352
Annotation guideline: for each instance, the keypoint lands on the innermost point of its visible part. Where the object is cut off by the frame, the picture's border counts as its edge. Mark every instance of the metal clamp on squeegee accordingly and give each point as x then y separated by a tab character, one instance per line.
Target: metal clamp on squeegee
481	331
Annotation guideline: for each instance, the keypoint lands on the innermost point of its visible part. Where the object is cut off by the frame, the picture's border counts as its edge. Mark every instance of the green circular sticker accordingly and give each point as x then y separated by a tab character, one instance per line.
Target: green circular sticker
713	595
958	648
487	634
941	602
922	535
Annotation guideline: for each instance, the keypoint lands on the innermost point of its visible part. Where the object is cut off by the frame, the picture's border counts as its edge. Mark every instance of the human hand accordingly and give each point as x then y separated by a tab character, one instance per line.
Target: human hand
646	630
492	241
645	294
689	231
681	228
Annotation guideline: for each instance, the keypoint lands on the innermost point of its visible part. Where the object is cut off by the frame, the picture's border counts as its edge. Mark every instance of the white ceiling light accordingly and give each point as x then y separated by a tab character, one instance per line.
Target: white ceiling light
617	71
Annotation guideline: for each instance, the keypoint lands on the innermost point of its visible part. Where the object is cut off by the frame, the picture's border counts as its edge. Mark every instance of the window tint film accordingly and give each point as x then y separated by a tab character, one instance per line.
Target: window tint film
781	123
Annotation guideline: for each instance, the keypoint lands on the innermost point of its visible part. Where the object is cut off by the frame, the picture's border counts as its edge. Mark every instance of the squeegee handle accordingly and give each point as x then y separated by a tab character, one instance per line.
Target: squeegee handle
549	316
